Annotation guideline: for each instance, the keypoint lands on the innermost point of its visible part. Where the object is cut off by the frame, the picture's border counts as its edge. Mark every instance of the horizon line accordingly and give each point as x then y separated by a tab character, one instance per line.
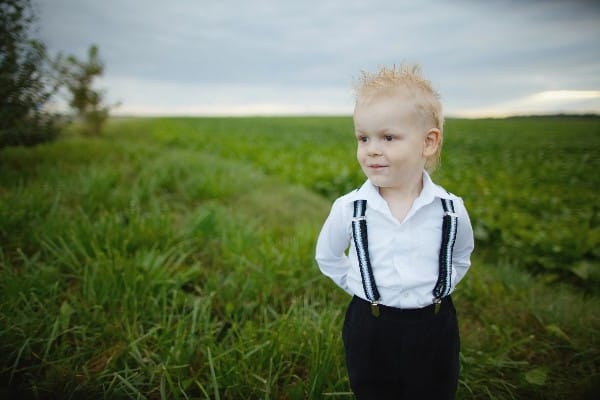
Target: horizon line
348	115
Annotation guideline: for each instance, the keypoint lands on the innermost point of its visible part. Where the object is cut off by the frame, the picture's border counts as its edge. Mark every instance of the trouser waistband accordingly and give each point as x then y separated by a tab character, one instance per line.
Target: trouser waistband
407	313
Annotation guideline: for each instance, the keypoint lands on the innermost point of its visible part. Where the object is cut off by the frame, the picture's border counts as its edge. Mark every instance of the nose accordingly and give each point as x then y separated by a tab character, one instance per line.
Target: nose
373	148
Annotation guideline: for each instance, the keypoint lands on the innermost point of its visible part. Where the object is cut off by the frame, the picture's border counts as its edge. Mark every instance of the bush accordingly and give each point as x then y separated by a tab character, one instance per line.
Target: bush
24	83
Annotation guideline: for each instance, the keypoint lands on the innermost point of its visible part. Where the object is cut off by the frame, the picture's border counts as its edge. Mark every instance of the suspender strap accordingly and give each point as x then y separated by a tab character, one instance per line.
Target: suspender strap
361	243
449	225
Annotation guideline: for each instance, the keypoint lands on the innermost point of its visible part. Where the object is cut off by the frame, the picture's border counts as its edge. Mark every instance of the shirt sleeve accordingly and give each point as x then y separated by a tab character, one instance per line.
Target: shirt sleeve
464	245
332	243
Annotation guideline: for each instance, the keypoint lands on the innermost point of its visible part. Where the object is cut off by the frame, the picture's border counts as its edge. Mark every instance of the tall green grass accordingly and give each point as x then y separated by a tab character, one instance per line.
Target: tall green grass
174	259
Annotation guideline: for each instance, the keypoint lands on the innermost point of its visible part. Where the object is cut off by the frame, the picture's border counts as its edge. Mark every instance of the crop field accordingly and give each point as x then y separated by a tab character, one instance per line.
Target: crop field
173	258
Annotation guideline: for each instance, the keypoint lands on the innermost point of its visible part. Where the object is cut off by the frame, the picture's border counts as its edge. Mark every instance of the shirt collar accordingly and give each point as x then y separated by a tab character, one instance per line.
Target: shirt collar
368	191
430	192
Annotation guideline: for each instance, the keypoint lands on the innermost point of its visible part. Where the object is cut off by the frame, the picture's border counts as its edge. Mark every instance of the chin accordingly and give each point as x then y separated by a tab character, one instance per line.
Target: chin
379	182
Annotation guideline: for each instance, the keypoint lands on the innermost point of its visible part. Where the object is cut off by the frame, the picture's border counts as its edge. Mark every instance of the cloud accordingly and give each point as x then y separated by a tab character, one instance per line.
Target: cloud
547	102
478	54
172	98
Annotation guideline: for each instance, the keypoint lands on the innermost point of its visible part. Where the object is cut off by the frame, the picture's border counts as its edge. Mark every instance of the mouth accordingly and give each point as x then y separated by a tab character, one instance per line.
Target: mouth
376	166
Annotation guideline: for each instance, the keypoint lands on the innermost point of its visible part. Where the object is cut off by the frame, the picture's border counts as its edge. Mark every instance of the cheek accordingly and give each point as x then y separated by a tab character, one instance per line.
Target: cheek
359	153
362	156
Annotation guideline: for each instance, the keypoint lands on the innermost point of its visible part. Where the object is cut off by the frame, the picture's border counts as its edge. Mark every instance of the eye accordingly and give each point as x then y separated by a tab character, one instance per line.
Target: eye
363	139
388	138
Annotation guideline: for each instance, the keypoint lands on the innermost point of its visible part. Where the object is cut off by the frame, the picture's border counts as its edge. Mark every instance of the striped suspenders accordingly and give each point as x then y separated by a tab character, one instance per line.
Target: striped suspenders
443	284
449	224
359	232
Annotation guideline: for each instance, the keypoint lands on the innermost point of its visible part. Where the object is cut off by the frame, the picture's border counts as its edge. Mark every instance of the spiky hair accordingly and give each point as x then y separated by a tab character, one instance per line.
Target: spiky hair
407	80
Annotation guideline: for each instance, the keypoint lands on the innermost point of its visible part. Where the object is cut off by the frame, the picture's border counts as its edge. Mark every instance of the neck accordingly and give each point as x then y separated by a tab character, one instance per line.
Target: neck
400	199
407	192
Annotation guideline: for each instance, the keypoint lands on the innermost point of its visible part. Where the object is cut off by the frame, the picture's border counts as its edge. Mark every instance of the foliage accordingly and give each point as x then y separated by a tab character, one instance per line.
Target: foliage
24	88
529	183
78	77
173	259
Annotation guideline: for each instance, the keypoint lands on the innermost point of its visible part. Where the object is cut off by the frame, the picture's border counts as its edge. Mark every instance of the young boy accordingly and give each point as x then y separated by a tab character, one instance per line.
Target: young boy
409	243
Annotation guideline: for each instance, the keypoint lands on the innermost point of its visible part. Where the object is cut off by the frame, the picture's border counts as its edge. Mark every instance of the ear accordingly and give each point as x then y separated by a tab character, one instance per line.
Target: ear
431	143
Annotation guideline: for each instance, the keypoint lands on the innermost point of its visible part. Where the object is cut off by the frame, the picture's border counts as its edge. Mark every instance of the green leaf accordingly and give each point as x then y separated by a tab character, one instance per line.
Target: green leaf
556	331
582	269
64	317
537	376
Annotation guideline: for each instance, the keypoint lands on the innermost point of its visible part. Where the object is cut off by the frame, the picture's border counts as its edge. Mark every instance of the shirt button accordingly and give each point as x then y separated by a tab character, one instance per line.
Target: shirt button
406	295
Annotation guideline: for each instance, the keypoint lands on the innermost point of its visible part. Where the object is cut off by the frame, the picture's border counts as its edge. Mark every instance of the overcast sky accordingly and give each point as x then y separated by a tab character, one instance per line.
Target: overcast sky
236	57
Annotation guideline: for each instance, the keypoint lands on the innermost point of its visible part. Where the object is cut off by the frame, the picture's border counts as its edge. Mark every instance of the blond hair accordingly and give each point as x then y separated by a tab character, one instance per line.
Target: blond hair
409	81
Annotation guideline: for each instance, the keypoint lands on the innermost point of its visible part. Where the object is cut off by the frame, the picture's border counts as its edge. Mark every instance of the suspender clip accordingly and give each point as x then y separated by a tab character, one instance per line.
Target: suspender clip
450	213
359	218
438	303
375	309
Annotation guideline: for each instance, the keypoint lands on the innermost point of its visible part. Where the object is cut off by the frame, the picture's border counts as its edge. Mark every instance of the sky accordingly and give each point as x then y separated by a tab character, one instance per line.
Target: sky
267	57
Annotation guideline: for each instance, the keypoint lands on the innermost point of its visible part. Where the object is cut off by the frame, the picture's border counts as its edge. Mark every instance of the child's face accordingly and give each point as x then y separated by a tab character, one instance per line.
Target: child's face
393	144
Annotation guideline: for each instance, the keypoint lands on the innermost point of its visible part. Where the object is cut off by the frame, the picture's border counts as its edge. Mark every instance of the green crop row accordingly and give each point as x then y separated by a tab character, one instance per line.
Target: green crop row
529	183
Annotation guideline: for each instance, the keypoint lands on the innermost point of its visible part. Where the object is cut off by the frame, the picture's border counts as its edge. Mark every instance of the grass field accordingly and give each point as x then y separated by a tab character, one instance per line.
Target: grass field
173	258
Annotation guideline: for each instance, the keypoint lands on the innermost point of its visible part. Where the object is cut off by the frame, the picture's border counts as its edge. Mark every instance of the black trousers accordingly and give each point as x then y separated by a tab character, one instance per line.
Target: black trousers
402	354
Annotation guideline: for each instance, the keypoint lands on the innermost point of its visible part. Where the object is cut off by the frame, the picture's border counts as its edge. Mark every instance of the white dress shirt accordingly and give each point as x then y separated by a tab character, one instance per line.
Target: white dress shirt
404	255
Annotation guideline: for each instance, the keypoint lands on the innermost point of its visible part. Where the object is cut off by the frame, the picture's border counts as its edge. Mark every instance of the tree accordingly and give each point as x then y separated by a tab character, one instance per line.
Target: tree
24	85
78	76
